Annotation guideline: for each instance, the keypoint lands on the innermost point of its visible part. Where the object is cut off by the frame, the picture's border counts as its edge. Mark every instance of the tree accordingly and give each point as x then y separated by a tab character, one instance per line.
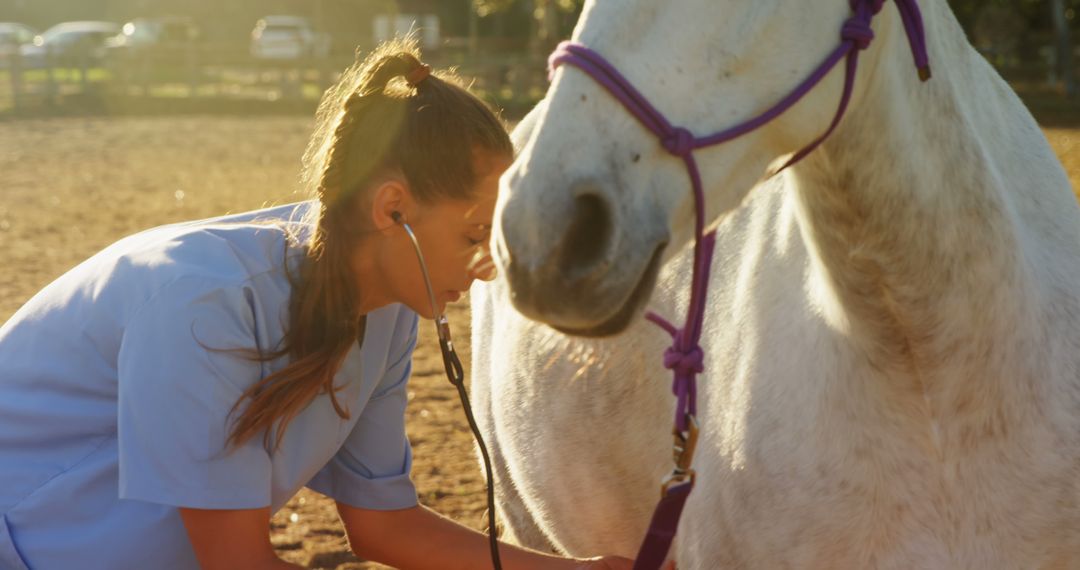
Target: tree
1063	46
486	8
548	17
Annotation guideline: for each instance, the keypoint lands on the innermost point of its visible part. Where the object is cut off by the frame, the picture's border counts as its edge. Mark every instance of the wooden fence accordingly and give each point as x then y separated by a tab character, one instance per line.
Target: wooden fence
207	76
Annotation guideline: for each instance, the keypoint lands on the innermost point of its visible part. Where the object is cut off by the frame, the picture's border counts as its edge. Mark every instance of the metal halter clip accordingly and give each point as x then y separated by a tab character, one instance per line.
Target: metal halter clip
683	455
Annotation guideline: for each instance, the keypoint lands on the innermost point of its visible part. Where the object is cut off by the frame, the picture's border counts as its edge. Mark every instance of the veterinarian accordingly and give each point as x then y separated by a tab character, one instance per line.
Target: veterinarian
161	400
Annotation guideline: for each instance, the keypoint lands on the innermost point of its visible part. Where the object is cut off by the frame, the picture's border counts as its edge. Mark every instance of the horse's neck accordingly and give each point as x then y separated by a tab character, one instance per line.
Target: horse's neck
910	209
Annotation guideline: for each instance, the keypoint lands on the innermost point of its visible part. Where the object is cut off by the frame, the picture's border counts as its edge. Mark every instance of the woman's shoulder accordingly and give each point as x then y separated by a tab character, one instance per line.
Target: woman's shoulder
254	251
229	248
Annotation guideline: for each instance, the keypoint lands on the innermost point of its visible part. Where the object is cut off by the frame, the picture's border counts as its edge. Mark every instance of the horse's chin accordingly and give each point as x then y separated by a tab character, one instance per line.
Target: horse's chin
620	320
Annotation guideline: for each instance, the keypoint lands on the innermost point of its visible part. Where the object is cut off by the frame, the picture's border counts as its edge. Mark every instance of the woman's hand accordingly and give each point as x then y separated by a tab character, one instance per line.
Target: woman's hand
420	538
612	563
605	563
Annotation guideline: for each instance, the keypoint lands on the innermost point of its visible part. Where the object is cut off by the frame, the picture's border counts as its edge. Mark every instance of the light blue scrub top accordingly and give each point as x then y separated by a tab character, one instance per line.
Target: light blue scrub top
112	412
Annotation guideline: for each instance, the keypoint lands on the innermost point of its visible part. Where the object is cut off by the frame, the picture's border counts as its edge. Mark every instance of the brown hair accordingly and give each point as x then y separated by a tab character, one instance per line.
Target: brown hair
370	123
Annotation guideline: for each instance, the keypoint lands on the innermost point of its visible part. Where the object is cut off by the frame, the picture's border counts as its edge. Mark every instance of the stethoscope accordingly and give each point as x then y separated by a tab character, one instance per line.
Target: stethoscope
456	374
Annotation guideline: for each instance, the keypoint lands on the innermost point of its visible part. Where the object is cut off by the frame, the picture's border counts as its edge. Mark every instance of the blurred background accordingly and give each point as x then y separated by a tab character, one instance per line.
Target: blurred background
120	115
148	56
124	56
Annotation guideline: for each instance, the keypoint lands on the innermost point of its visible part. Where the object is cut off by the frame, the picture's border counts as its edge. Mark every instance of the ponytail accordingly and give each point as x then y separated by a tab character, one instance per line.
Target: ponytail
387	113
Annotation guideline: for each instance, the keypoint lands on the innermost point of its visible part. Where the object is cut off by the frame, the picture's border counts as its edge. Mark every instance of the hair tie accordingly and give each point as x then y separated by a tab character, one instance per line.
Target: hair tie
418	75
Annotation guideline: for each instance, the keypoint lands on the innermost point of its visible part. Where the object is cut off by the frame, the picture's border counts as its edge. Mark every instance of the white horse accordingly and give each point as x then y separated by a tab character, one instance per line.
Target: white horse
892	336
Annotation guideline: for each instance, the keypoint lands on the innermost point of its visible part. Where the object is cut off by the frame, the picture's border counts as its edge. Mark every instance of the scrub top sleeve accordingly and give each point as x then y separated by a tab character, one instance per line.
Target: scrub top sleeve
371	470
178	382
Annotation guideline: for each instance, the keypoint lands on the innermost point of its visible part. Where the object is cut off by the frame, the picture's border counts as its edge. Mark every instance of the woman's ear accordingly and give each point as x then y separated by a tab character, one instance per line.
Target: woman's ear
390	196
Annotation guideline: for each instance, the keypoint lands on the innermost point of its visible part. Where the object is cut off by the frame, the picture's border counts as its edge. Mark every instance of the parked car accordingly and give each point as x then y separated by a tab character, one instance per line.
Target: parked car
13	35
143	33
70	43
287	37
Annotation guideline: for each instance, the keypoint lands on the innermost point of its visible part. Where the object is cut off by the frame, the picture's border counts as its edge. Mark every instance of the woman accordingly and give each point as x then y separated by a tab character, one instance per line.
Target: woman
161	400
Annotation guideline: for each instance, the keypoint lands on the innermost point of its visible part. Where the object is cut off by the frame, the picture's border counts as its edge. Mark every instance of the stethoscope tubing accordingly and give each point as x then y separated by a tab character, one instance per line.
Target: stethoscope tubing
436	314
455	373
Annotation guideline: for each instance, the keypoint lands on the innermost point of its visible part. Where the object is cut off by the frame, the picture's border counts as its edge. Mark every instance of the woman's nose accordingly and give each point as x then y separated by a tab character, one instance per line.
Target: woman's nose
482	267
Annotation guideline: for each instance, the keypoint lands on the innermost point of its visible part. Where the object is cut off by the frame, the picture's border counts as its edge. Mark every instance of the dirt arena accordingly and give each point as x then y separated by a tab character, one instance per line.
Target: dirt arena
71	186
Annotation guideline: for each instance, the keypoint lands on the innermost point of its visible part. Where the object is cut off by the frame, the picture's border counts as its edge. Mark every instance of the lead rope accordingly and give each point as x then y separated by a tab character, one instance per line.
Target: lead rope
685	357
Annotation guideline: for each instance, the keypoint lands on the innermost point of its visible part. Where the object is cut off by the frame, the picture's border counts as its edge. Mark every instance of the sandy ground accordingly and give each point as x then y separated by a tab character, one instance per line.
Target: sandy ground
71	186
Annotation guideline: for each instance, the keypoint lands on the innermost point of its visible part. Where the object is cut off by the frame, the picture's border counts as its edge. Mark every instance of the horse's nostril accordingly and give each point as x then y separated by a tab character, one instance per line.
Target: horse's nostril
588	235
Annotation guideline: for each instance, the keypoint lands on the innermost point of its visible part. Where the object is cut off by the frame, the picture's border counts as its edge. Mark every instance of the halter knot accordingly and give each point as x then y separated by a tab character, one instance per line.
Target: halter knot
858	31
679	142
690	362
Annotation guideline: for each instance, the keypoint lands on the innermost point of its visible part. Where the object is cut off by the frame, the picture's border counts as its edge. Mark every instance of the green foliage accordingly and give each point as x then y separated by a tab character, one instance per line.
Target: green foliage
489	7
1033	13
568	5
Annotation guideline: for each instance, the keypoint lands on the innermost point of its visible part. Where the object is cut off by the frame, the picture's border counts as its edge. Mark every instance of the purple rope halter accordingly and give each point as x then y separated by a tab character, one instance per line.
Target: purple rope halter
685	357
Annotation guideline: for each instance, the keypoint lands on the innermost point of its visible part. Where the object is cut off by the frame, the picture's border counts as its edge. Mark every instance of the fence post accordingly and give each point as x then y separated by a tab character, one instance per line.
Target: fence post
144	66
1062	47
84	73
291	77
320	75
51	90
125	71
15	69
194	68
